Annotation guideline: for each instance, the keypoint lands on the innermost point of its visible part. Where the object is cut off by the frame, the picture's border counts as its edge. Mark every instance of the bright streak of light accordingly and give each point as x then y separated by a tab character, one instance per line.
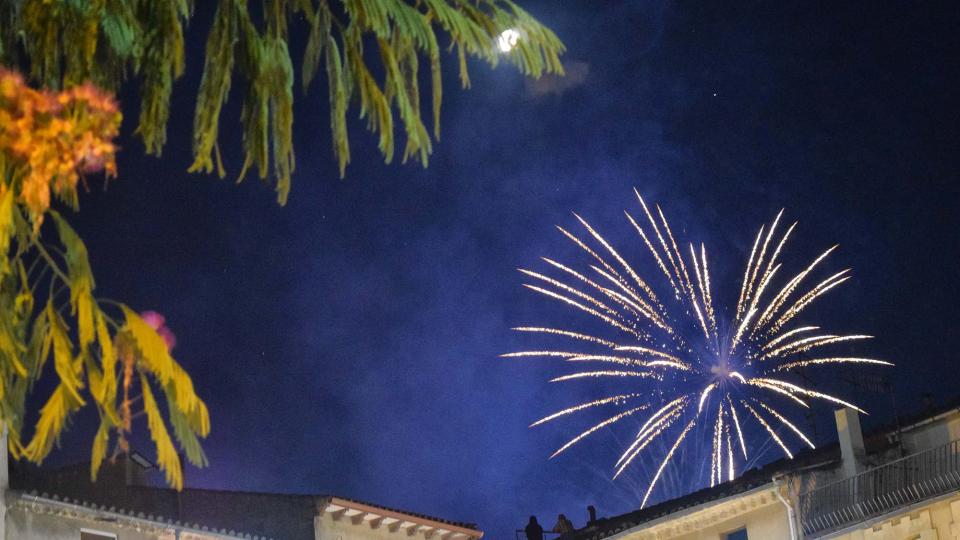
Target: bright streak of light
583	374
651	422
601	425
625	361
787	423
780	298
645	437
790	387
837	360
618	400
785	335
730	469
703	396
567	333
666	460
736	422
773	434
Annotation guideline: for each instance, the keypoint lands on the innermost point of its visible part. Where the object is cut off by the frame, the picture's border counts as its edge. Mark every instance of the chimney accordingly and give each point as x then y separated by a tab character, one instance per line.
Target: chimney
136	469
852	450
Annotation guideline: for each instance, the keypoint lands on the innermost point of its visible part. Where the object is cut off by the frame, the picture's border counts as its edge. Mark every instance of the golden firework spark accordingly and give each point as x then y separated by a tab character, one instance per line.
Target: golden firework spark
686	368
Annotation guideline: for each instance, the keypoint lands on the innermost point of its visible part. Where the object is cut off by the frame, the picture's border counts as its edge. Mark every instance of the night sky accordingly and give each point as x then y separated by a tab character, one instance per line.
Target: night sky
348	343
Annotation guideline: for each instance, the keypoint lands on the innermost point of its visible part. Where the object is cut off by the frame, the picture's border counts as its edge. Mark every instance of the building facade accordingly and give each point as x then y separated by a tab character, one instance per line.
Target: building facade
63	504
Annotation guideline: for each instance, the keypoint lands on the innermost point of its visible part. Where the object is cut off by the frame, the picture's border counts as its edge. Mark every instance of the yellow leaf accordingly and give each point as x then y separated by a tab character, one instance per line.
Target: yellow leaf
85	308
156	357
153	348
108	364
81	279
108	358
53	418
94	378
6	223
167	457
100	441
66	367
189	403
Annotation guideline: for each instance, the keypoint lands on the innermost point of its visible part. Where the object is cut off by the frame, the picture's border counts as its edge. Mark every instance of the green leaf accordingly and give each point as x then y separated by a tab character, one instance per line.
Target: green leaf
319	34
374	105
338	105
218	68
267	113
281	117
401	85
184	431
121	29
162	63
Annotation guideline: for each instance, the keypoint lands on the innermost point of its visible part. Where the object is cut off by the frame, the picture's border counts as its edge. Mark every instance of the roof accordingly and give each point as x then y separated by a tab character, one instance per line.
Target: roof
824	456
76	509
123	489
376	516
749	481
461	524
265	515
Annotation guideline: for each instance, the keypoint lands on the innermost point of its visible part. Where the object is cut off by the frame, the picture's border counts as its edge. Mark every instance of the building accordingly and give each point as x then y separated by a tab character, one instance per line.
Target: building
895	484
63	504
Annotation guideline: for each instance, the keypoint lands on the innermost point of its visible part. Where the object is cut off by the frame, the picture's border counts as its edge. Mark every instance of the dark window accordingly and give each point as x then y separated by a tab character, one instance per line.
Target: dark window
736	535
96	535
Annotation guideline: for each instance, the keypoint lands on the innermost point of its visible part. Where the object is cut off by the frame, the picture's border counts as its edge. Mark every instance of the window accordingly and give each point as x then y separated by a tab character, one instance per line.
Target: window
87	534
740	534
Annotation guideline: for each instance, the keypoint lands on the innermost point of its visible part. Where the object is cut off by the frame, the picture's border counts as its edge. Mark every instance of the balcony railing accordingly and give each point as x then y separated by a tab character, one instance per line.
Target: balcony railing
880	490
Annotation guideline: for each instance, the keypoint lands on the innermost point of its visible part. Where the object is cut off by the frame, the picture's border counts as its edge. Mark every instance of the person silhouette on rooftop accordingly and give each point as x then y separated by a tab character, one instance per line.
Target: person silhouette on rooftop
534	530
563	525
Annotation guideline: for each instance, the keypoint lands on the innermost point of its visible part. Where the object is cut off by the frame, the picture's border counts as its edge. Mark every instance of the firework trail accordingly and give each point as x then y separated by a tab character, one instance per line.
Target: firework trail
721	382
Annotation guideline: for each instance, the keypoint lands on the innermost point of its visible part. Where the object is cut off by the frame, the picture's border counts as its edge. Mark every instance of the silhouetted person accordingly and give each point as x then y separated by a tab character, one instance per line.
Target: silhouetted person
593	515
563	525
534	530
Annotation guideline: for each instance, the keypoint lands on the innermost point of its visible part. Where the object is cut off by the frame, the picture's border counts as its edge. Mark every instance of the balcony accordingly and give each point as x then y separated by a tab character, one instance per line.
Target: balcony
875	492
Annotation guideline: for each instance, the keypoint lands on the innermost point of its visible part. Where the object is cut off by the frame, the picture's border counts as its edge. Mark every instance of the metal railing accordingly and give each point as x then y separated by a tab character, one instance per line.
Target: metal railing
547	535
875	492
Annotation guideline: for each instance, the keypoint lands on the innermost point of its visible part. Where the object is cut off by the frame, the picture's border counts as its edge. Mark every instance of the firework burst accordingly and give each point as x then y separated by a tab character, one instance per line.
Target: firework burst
716	380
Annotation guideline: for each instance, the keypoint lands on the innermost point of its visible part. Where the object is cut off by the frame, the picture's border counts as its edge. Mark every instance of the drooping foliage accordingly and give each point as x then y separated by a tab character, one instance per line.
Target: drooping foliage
370	51
102	352
83	51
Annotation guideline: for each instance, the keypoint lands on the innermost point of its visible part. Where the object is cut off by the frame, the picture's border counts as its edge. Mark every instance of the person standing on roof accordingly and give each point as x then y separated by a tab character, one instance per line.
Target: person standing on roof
534	530
563	525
